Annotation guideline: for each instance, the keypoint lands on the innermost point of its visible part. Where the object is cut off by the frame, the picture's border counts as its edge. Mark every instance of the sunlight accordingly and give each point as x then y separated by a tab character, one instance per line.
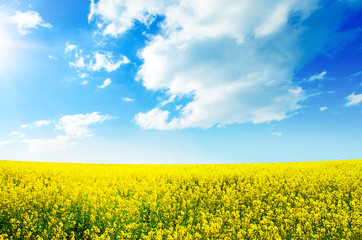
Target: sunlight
7	44
11	48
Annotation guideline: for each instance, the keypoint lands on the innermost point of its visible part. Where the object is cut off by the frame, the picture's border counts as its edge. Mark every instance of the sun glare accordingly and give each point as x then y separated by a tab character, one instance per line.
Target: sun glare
8	46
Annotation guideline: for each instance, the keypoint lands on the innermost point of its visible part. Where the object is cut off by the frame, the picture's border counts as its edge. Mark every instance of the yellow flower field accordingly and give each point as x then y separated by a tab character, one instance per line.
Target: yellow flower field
314	200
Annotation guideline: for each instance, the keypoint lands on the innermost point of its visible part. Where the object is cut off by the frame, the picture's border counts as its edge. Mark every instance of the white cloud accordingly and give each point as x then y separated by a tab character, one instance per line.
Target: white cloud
275	20
228	58
17	134
117	16
323	109
170	100
105	83
60	143
353	99
28	20
319	76
77	126
91	10
78	63
52	57
226	61
36	124
331	92
154	119
127	99
95	61
70	47
85	82
106	61
211	18
83	75
279	134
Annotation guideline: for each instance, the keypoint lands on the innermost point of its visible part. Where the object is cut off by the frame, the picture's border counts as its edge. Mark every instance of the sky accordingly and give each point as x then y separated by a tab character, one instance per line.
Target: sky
180	82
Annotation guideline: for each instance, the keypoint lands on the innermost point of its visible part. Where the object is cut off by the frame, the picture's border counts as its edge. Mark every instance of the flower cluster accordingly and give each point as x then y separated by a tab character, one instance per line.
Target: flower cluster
315	200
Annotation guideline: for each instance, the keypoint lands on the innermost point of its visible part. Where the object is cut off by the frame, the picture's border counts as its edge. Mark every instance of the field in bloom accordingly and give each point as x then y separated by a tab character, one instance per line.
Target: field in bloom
315	200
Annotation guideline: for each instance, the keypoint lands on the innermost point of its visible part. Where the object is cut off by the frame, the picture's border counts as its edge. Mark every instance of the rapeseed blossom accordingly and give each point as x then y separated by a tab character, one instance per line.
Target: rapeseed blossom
315	200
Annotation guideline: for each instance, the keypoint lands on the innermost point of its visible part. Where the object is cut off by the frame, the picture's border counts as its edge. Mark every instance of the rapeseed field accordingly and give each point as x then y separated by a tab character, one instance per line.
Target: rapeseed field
314	200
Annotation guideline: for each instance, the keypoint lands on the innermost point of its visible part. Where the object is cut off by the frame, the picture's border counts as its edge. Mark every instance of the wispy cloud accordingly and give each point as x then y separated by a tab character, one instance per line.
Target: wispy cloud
60	143
169	100
105	83
26	21
17	134
322	109
52	57
83	75
36	124
94	61
356	74
274	21
85	82
127	99
353	99
319	76
279	134
77	126
106	61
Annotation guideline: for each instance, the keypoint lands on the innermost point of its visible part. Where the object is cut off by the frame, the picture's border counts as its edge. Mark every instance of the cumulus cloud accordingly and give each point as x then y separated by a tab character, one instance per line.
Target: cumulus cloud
105	83
323	109
94	61
36	124
154	119
233	61
319	76
78	126
117	16
28	20
353	99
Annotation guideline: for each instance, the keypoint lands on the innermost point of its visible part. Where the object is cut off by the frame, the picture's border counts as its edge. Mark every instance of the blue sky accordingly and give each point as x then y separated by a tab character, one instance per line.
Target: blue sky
116	81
